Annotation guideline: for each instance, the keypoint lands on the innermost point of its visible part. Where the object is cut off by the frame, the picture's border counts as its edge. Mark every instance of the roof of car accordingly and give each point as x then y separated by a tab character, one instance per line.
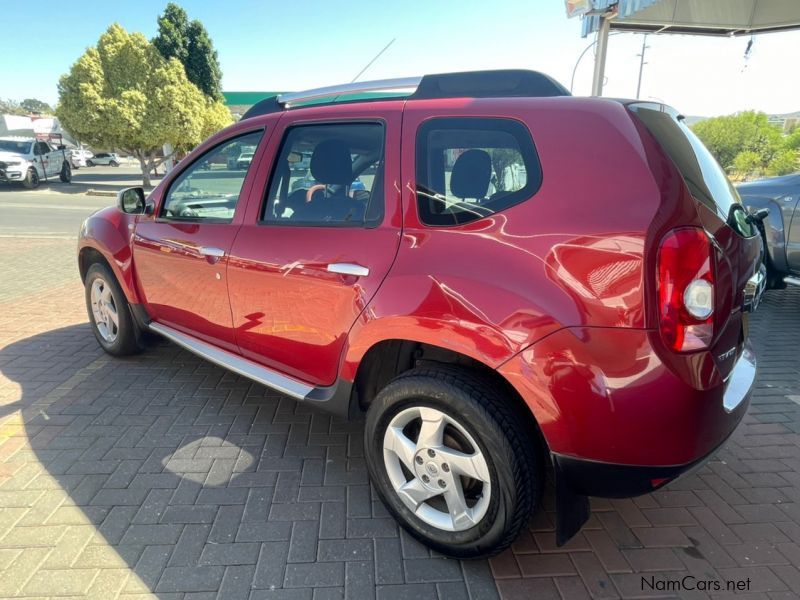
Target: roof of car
17	138
509	83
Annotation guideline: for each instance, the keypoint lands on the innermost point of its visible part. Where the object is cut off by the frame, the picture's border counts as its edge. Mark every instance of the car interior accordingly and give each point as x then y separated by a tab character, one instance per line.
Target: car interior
327	174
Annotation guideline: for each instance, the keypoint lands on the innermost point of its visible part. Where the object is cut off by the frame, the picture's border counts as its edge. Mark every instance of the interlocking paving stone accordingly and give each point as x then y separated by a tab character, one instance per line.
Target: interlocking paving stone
162	474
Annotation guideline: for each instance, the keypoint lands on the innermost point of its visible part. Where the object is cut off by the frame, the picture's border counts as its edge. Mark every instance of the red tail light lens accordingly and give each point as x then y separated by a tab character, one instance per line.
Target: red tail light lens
686	289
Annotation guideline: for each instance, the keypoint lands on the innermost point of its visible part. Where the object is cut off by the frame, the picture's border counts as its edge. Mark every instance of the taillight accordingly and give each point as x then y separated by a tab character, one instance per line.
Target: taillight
686	289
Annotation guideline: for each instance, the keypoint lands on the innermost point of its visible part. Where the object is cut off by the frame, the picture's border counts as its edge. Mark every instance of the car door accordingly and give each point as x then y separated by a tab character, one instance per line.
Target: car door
41	159
180	253
317	247
55	158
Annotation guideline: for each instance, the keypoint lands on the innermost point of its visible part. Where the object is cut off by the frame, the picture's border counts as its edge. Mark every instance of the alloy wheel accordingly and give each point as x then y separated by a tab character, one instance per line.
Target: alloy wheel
441	476
104	310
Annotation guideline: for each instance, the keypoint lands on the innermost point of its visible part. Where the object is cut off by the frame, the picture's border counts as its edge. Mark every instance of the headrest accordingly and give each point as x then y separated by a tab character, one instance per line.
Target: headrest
471	174
331	163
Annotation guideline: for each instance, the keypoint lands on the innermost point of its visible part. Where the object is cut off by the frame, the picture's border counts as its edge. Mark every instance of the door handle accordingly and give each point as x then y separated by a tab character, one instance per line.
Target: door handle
348	269
211	251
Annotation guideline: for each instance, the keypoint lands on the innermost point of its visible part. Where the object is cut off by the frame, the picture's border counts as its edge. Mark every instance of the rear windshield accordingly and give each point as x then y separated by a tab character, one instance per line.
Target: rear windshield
704	177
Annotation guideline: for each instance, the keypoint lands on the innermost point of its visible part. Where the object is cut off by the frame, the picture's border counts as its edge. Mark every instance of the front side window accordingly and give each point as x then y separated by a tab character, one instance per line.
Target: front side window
209	188
470	168
328	175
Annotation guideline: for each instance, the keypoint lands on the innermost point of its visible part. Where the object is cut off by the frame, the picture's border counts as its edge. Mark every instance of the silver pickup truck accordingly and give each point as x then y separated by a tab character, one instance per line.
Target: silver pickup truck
29	161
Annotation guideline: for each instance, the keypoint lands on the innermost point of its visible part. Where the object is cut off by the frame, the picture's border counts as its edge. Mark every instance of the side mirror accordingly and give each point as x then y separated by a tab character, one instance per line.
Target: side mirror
131	201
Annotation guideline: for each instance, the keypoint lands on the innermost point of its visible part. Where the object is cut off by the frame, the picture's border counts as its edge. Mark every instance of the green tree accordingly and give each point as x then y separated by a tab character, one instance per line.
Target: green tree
792	141
190	43
36	106
783	163
748	163
123	94
727	137
10	107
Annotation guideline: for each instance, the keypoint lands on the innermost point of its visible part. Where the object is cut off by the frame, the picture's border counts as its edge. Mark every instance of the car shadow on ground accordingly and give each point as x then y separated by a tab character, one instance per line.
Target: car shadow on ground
200	480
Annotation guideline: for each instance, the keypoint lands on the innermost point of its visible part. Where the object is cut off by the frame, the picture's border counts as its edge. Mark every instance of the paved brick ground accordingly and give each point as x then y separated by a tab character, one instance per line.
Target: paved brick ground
165	476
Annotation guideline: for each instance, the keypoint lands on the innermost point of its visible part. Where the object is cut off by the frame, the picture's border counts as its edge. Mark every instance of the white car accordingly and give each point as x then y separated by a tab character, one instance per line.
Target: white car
244	160
78	157
104	158
29	161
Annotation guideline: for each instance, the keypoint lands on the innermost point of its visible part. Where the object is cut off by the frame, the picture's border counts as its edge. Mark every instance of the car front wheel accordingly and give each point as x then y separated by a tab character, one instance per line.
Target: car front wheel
31	180
66	173
109	313
452	461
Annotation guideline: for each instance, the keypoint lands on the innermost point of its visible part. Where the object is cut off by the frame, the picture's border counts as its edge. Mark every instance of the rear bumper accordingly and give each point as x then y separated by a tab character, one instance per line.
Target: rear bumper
605	396
609	480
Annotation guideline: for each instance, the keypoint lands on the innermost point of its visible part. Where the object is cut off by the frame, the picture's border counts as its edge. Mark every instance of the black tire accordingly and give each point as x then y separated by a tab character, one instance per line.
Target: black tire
512	454
66	173
126	341
114	163
89	163
31	180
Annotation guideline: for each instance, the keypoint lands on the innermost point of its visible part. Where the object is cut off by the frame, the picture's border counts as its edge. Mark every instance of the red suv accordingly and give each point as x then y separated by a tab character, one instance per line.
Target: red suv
503	278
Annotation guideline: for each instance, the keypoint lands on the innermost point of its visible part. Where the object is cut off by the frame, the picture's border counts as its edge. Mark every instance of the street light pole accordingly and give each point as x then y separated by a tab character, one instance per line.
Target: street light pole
641	65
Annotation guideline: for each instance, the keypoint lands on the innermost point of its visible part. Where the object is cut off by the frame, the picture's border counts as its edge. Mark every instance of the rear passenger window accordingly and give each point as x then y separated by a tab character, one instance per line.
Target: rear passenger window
328	175
470	168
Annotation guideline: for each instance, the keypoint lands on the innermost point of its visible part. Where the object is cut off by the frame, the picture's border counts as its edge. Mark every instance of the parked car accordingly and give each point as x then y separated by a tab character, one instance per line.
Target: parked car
104	158
28	161
591	315
244	160
780	230
78	157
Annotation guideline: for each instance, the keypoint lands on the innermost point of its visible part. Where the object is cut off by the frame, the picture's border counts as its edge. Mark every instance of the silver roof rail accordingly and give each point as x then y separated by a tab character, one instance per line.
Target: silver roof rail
361	87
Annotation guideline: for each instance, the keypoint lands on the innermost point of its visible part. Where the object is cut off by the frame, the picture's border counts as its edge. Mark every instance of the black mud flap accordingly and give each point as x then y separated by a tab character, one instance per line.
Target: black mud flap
572	509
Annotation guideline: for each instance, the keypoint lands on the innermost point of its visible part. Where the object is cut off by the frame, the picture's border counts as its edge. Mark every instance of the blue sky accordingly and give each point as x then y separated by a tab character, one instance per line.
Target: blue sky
268	45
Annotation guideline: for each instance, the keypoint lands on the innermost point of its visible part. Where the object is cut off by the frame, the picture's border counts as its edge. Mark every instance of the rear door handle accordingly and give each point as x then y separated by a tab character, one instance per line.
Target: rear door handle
211	251
348	269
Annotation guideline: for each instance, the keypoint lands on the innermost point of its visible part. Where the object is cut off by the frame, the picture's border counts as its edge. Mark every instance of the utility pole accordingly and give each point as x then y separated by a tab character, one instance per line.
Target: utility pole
641	65
600	56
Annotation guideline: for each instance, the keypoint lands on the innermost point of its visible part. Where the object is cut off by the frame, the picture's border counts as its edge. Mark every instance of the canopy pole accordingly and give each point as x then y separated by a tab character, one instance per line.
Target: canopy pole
600	56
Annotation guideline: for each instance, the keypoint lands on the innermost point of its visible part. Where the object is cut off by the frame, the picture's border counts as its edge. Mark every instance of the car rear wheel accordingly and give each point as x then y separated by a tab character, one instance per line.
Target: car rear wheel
114	163
452	461
31	180
109	312
66	173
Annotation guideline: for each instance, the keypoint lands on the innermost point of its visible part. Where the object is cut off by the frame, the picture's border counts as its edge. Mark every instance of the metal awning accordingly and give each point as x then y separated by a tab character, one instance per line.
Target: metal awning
693	17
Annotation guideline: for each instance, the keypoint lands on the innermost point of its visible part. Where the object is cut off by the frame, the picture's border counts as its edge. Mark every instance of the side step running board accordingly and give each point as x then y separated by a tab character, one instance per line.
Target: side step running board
242	366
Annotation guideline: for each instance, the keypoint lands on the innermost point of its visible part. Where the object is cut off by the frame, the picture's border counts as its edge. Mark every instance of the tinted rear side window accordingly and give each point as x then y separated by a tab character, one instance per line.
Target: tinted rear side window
470	168
703	176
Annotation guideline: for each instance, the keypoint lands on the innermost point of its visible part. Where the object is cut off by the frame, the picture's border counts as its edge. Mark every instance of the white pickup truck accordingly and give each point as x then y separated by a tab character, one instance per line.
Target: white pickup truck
29	161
